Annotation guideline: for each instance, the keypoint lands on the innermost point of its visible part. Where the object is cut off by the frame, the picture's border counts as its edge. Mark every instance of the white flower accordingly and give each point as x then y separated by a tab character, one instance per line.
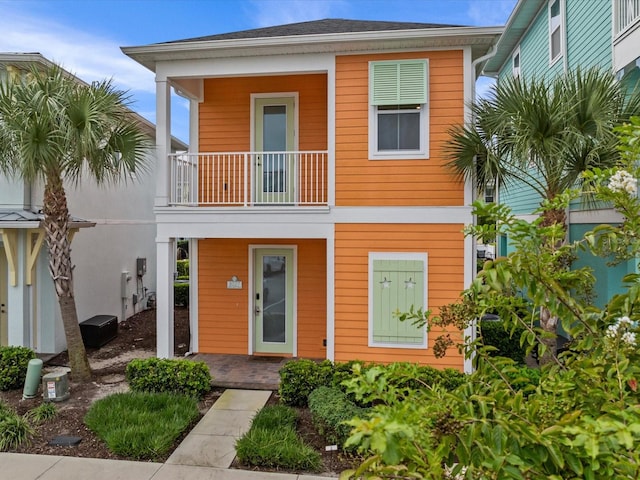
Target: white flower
629	338
623	181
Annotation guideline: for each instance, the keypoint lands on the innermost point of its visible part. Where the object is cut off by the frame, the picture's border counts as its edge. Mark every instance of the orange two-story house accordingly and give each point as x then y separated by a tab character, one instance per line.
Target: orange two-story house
314	193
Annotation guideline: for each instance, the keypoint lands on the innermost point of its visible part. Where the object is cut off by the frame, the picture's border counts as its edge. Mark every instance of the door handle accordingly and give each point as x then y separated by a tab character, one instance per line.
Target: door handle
258	310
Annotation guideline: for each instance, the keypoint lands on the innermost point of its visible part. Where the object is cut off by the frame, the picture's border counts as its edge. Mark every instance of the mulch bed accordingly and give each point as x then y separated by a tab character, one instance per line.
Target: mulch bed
136	337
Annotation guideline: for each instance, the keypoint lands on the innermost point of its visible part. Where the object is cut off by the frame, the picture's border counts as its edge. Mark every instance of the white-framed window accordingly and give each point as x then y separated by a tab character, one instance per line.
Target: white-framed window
556	30
397	282
515	63
398	110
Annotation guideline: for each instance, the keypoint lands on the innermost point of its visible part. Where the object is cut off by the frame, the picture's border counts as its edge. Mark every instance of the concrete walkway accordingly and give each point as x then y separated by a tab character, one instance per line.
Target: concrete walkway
205	454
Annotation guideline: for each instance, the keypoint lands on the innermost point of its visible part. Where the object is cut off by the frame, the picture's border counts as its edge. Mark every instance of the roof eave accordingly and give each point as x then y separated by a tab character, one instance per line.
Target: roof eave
517	25
148	55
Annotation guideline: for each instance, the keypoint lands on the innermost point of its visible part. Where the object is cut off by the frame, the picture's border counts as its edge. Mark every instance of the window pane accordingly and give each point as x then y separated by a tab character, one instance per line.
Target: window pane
274	298
409	131
555	43
398	131
555	8
274	125
388	132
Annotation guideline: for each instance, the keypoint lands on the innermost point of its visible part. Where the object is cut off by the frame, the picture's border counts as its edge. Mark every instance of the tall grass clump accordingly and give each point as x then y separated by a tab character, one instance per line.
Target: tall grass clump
14	430
141	426
272	442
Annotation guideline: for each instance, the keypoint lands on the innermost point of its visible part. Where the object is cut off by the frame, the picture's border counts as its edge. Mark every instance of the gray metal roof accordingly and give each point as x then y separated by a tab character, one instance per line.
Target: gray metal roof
29	219
318	27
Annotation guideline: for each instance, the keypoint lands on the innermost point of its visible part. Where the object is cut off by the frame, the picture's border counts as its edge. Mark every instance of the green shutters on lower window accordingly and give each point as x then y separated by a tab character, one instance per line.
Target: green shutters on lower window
397	282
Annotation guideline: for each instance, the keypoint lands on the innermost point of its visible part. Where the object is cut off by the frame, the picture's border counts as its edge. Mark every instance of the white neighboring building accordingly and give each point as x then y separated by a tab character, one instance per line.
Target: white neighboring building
117	229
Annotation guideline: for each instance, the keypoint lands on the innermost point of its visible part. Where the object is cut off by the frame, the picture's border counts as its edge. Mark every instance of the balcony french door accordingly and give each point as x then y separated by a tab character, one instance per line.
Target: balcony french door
274	138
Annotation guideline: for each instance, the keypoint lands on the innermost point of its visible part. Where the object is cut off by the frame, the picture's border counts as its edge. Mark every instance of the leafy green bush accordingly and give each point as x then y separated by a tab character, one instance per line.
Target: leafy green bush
496	334
298	378
141	426
181	294
14	430
13	366
272	442
182	267
169	375
330	408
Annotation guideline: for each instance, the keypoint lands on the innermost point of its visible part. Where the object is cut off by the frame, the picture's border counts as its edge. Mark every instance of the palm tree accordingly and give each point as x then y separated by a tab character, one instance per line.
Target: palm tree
56	129
542	135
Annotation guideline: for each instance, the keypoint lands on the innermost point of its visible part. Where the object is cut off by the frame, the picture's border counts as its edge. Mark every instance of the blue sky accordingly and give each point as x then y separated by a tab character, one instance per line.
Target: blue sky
85	36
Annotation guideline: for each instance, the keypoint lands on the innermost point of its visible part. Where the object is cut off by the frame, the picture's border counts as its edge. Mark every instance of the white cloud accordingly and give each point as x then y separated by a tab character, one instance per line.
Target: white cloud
490	12
88	56
278	12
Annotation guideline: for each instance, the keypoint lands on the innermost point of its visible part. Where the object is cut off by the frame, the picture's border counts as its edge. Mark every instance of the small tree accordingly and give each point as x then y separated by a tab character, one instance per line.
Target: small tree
55	128
580	420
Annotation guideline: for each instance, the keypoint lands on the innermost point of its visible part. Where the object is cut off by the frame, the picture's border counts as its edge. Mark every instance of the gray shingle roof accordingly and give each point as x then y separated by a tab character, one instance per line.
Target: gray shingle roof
318	27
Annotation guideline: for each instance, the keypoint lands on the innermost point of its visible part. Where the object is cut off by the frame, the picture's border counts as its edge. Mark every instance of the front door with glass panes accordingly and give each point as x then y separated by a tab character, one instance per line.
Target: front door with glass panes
273	300
274	141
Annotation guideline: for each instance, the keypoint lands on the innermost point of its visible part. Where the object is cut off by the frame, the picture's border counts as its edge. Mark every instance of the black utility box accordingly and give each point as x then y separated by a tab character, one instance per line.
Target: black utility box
99	330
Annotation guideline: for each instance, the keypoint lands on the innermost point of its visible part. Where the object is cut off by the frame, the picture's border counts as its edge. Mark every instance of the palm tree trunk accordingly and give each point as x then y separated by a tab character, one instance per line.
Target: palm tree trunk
56	224
548	322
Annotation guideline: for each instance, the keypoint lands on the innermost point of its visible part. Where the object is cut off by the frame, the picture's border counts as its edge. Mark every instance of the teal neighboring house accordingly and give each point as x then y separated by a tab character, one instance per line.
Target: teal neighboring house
544	38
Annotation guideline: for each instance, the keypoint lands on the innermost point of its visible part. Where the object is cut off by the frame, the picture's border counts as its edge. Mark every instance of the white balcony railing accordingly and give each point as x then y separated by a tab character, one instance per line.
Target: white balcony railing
249	179
626	12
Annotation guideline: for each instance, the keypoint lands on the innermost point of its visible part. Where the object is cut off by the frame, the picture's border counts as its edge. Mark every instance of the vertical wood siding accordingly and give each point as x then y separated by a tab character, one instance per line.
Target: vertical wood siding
363	182
223	314
445	281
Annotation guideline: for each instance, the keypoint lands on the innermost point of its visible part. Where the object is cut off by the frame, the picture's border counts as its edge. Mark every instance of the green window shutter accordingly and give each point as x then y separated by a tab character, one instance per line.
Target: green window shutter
397	285
398	83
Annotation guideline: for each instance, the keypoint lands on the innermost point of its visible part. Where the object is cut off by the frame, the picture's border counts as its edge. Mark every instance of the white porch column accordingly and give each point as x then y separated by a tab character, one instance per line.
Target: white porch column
18	299
163	141
165	267
331	304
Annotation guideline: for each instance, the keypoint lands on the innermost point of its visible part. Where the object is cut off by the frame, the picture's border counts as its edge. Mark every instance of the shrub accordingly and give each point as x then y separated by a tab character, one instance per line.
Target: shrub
181	294
141	426
298	378
507	344
272	442
182	267
330	408
169	375
14	430
13	366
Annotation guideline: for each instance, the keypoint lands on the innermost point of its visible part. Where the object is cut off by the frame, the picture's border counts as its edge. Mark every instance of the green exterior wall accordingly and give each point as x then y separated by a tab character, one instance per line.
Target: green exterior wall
608	277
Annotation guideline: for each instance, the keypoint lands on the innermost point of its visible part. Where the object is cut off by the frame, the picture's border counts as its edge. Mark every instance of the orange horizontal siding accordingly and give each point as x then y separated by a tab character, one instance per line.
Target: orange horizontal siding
428	180
444	245
225	113
223	314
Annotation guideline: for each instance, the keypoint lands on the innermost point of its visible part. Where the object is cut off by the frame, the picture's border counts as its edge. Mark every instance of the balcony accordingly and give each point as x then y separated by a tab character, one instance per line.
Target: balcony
249	179
626	13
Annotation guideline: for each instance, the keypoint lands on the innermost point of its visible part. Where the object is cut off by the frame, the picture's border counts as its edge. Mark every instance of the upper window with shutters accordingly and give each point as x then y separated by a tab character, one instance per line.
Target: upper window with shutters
398	110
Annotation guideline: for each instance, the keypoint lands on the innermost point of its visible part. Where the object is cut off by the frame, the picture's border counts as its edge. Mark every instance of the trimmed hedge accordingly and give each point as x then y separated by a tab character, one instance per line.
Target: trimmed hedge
13	366
169	376
298	378
330	408
507	344
182	267
181	294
